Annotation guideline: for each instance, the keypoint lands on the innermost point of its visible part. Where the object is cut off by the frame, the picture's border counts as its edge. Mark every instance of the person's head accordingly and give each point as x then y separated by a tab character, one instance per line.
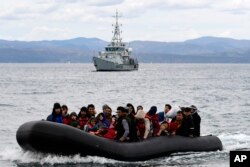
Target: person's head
113	118
83	112
75	124
64	110
92	121
167	108
91	110
187	111
179	116
152	111
107	110
140	114
73	116
182	108
100	117
139	108
193	108
102	130
131	109
121	111
57	110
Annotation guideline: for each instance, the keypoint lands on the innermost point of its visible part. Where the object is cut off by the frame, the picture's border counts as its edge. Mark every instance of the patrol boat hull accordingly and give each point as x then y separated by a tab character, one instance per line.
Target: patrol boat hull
49	137
106	65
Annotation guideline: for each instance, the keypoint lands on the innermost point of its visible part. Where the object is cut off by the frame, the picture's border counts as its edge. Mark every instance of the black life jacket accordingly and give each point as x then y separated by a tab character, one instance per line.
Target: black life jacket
119	127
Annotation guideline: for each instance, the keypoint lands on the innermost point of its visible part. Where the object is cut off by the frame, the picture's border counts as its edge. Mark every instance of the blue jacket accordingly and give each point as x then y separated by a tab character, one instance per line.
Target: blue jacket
55	118
161	116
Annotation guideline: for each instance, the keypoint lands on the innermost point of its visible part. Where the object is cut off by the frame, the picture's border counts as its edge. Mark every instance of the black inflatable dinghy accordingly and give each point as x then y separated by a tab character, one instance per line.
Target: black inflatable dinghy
49	137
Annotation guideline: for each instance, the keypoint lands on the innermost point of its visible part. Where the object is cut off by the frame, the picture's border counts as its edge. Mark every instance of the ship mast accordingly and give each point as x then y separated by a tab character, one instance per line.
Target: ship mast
116	40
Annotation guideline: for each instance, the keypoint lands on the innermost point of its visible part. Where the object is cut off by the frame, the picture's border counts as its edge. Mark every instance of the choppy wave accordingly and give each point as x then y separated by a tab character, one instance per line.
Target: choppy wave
7	105
28	92
230	142
235	141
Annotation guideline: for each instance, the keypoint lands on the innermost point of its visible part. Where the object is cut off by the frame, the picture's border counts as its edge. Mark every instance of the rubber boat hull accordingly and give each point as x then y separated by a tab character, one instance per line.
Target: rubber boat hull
49	137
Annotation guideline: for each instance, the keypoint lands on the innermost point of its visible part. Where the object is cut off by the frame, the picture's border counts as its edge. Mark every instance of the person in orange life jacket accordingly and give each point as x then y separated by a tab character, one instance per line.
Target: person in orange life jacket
171	127
91	126
131	116
91	111
143	124
101	121
122	126
107	111
187	126
82	117
153	117
65	115
162	116
56	115
197	120
73	120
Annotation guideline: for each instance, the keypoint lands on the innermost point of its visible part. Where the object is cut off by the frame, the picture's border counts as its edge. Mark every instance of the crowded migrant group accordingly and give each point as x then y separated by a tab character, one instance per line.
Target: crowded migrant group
130	125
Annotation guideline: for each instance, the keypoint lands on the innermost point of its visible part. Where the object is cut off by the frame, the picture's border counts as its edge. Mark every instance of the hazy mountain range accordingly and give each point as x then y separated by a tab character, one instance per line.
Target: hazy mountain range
200	50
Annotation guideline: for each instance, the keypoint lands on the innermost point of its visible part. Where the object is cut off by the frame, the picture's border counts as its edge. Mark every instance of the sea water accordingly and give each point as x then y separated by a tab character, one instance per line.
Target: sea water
220	91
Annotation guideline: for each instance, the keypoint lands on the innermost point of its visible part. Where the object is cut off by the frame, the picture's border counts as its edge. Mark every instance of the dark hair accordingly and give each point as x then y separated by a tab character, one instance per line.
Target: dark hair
133	108
183	108
139	106
91	106
64	107
122	109
82	109
56	106
98	116
169	106
179	112
152	111
90	119
187	109
73	113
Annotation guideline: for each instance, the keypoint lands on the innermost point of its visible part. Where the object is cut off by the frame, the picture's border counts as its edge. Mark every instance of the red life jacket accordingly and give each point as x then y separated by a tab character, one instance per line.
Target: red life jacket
82	121
66	120
148	117
172	127
154	122
140	125
110	134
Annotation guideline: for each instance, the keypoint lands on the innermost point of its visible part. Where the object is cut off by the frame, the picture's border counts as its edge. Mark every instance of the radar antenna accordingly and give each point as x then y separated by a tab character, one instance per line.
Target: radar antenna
116	40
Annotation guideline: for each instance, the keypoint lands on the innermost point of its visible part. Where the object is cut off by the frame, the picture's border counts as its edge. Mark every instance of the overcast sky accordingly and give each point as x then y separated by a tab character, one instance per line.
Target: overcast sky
155	20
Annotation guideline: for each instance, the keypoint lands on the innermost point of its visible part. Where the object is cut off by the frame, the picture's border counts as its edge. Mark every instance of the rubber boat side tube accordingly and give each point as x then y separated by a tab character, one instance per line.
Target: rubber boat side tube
49	137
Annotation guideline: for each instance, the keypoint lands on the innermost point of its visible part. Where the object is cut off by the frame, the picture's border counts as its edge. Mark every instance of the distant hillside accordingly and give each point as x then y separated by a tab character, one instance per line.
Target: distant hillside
201	50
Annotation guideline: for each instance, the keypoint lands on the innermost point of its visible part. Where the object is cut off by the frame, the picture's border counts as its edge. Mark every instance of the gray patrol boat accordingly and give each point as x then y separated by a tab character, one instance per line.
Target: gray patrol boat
115	57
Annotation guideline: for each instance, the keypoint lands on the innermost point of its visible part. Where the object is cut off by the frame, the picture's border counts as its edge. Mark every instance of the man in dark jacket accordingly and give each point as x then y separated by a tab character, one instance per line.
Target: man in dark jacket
196	120
187	125
56	115
122	126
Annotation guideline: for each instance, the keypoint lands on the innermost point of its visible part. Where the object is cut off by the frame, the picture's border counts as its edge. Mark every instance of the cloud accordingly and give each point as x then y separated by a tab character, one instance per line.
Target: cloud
27	11
49	33
146	19
101	3
233	6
